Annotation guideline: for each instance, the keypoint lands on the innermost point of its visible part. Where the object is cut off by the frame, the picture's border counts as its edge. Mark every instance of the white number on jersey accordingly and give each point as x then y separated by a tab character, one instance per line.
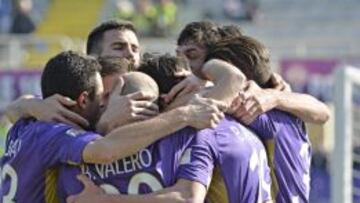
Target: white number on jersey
258	161
7	170
134	184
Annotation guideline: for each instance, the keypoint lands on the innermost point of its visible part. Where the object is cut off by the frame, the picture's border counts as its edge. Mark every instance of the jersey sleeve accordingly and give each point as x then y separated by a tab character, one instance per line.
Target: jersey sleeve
65	145
267	125
264	127
197	162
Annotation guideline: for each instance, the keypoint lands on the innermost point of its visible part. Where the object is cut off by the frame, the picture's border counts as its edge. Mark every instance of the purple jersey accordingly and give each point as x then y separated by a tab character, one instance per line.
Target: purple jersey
33	151
149	170
240	156
289	154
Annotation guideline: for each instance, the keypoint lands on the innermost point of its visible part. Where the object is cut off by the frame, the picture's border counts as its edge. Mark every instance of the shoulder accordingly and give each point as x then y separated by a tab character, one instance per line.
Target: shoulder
227	121
179	138
26	126
230	124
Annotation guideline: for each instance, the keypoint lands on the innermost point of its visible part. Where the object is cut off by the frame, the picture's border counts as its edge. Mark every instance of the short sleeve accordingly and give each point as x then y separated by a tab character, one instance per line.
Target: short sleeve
197	162
65	145
264	127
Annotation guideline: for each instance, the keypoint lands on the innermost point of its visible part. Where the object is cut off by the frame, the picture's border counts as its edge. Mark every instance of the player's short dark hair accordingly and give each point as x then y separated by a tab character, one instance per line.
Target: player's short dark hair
247	54
202	32
162	69
231	30
69	74
94	40
114	65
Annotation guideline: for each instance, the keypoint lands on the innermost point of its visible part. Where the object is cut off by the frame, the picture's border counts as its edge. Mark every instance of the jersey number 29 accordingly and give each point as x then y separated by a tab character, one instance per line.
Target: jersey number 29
134	183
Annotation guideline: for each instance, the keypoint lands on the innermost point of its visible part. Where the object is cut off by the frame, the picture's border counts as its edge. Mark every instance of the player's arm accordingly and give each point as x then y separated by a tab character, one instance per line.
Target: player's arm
15	110
52	109
190	84
182	192
228	80
255	101
56	109
304	106
127	140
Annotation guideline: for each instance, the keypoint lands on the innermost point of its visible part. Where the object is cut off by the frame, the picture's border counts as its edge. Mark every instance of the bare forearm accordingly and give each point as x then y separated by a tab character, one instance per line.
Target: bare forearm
107	123
138	135
129	139
17	110
306	107
173	197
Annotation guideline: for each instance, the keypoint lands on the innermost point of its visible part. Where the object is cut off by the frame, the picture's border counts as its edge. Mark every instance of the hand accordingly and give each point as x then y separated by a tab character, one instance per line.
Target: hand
205	113
189	84
132	107
90	193
56	109
251	103
124	109
280	83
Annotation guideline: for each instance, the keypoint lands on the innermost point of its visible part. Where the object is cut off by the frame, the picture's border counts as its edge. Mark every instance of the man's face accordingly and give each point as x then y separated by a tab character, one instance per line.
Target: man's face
195	54
94	108
122	44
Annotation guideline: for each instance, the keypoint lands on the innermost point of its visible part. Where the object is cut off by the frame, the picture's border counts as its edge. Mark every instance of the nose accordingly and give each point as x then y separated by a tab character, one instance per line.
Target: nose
130	54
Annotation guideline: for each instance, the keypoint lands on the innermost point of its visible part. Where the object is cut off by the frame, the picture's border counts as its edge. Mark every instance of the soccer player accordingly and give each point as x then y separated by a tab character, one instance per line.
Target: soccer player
239	153
233	147
285	134
147	170
198	38
110	38
32	178
195	42
114	38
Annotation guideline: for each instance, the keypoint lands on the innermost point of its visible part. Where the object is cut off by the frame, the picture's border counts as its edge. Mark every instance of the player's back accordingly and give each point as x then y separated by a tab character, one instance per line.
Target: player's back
33	150
243	163
23	180
289	151
149	170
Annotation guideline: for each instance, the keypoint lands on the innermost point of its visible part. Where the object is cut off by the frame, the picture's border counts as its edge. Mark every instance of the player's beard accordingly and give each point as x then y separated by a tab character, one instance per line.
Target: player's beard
93	120
93	114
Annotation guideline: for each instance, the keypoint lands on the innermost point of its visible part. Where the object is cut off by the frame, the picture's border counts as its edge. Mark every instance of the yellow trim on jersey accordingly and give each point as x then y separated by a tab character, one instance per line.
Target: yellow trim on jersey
51	177
270	152
217	192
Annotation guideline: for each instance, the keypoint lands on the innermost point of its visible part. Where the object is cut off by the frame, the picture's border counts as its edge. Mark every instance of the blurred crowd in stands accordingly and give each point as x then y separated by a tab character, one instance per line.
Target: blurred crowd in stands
240	9
152	17
159	17
15	16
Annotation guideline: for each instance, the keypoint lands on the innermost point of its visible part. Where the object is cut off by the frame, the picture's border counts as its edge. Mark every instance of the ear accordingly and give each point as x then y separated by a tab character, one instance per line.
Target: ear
82	100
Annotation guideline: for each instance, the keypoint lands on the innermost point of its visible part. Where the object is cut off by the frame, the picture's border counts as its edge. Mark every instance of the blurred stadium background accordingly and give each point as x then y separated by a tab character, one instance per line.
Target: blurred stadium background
309	41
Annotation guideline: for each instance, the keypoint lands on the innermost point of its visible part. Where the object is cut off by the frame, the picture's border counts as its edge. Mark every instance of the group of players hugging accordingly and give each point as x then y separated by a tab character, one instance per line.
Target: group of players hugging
212	124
